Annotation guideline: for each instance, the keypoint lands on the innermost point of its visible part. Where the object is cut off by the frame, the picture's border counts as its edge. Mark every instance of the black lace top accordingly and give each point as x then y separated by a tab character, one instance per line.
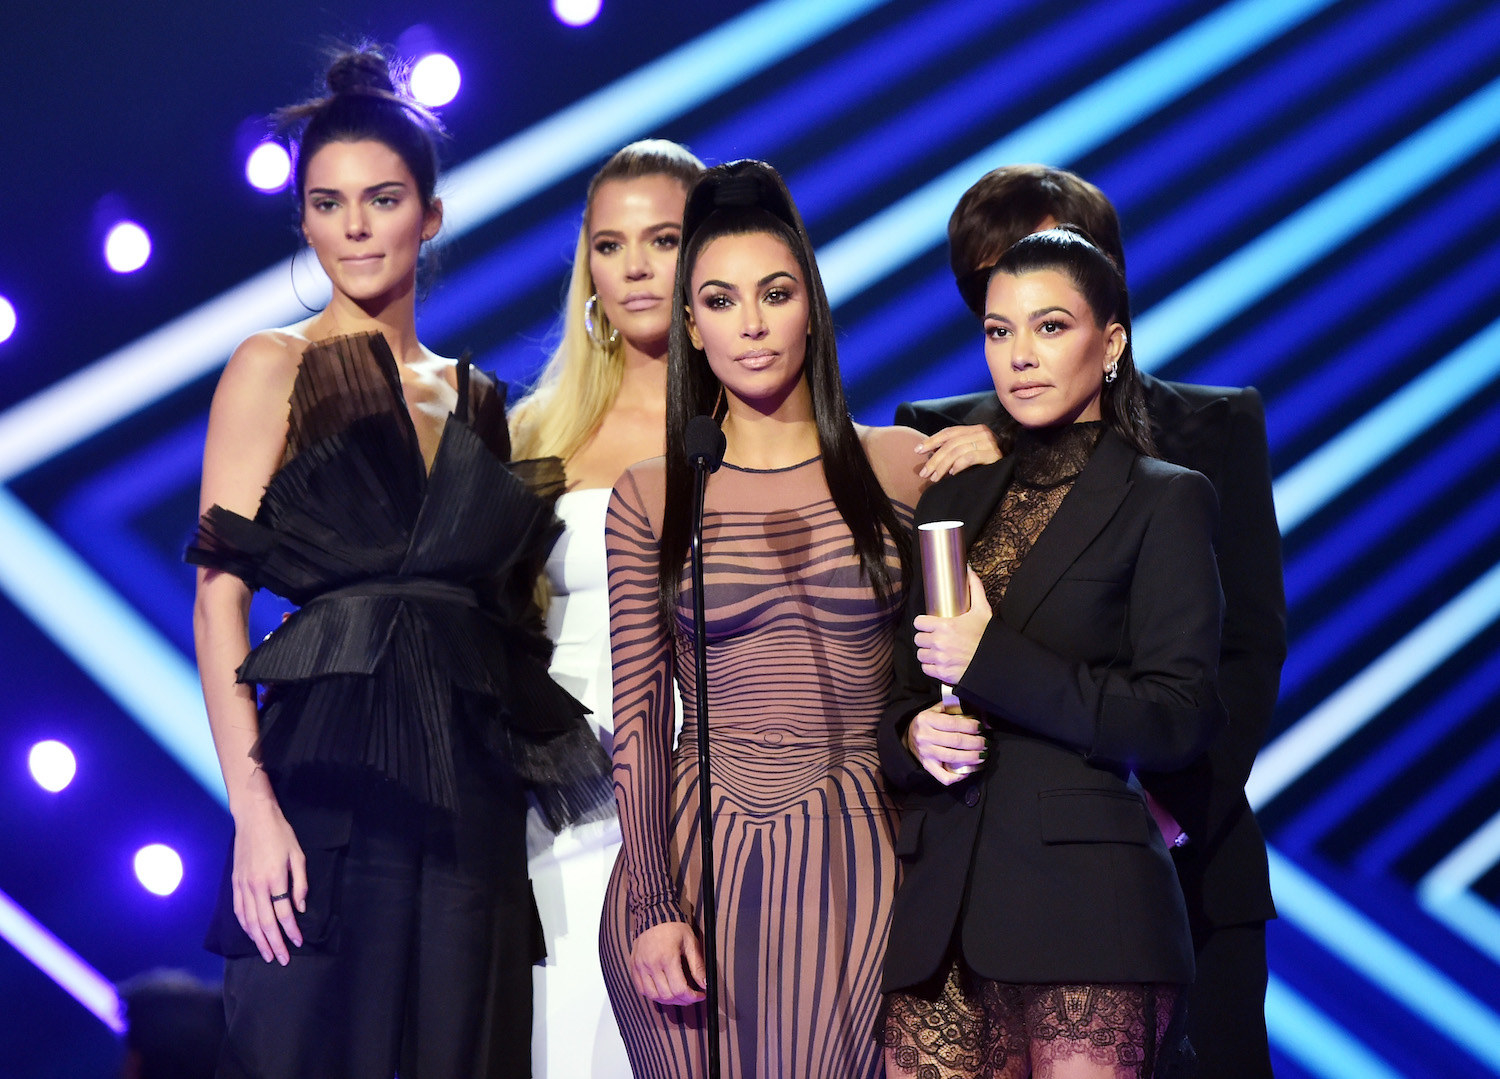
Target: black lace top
1048	460
414	590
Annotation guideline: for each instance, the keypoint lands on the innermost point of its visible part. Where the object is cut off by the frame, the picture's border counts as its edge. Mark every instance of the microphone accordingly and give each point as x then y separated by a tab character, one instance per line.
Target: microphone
705	443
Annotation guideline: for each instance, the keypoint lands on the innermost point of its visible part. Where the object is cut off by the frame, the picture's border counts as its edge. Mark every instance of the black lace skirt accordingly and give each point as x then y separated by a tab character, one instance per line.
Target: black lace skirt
960	1025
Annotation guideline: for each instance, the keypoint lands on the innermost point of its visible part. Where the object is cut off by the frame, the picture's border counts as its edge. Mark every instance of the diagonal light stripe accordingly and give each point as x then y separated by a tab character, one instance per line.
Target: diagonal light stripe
1279	254
909	228
1315	1041
1469	917
1385	961
1445	891
1315	735
60	963
108	638
1465	864
192	345
1385	430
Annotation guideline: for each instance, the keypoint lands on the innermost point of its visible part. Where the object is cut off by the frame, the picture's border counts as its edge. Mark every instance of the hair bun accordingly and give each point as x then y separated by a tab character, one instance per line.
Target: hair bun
360	71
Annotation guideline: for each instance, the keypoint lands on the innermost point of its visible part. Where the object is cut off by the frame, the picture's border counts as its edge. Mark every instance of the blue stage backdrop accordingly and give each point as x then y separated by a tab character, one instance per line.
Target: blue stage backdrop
1311	198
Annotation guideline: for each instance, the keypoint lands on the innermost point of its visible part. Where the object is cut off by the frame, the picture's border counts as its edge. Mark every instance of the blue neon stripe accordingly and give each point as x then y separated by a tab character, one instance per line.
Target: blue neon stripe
1315	1041
1280	253
1383	431
1363	612
1287	165
147	677
1476	771
1421	242
1017	80
1470	917
838	86
635	105
1384	961
1366	695
1247	107
1400	499
904	230
60	963
1384	352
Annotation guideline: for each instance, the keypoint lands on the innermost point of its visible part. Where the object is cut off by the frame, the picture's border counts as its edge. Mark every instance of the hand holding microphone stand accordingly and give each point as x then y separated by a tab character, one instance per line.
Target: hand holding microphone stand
705	451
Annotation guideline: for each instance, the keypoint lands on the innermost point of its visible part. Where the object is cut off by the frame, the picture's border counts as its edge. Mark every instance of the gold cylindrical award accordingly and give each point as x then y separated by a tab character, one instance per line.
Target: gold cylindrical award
945	578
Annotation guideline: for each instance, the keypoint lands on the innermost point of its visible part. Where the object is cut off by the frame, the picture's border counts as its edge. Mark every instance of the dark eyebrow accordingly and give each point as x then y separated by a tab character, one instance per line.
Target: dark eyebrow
721	284
659	227
764	281
371	190
1049	310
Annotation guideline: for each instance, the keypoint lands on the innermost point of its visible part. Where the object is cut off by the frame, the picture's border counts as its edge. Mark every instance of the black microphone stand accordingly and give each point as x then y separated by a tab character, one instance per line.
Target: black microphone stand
705	449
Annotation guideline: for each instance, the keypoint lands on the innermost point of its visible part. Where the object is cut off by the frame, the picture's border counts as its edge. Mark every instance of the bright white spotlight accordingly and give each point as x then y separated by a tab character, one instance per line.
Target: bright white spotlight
53	765
159	868
434	80
576	12
269	167
7	319
127	247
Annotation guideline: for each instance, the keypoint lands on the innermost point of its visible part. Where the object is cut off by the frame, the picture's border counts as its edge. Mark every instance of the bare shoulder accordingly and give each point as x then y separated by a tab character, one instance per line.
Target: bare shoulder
269	356
892	452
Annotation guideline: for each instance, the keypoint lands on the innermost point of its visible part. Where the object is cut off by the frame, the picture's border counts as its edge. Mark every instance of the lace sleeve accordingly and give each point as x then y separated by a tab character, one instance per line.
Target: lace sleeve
642	658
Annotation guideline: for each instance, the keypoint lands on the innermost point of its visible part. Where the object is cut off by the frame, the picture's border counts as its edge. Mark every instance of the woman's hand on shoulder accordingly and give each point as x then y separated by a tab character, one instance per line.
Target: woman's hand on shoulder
954	449
666	964
269	863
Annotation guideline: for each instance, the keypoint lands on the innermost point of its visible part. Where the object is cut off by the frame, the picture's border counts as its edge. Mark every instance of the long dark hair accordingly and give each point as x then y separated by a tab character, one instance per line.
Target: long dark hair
1069	250
744	198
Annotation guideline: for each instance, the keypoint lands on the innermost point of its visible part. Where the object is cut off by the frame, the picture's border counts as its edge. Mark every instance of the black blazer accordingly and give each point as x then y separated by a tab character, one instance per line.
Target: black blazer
1220	432
1101	659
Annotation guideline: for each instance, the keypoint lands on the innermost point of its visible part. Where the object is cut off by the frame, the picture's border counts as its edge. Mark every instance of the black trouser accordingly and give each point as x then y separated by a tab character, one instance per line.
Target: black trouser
1226	1004
421	958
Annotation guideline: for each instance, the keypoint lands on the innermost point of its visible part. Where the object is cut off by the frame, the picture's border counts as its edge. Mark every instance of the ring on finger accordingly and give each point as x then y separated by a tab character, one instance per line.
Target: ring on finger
283	895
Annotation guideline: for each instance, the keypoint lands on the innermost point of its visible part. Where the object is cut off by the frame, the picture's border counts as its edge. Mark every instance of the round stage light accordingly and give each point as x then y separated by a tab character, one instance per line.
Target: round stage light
435	80
576	12
53	765
269	167
158	868
7	319
127	247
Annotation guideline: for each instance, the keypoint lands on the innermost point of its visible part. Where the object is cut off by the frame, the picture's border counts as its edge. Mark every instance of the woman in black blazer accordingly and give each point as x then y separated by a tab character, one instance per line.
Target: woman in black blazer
1039	928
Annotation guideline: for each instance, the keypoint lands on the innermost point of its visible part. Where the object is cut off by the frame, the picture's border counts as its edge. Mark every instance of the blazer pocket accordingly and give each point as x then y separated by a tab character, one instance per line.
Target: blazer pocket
909	838
1093	816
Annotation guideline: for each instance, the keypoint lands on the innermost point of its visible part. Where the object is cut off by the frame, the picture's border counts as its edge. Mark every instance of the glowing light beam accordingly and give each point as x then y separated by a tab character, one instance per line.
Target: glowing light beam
60	963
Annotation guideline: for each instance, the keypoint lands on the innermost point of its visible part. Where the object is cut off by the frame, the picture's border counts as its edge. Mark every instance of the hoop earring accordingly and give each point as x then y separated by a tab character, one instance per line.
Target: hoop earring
291	268
591	322
1111	372
718	402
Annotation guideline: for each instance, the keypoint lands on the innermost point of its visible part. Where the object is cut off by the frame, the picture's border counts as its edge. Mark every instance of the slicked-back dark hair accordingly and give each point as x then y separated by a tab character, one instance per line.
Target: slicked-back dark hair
749	198
1072	252
363	102
1009	202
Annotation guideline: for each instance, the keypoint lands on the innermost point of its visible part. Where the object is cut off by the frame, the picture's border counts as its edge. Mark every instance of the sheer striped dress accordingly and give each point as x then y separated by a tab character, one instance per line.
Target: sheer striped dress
799	663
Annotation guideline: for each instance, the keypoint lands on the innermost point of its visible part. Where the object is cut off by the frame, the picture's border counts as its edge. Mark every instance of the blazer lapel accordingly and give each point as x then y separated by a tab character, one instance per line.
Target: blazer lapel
1087	508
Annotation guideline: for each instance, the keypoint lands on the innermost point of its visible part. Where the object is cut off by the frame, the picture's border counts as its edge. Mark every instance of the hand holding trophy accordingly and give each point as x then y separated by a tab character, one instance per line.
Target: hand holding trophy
945	579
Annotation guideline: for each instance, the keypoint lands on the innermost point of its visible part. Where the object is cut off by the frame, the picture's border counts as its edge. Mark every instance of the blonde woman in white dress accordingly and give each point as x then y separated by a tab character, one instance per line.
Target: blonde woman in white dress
600	405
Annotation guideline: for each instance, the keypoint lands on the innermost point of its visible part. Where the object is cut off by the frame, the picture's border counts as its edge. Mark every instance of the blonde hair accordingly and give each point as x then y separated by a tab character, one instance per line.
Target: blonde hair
581	379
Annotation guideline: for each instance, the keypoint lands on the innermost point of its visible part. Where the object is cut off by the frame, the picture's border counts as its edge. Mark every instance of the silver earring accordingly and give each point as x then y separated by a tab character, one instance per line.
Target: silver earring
591	323
1111	372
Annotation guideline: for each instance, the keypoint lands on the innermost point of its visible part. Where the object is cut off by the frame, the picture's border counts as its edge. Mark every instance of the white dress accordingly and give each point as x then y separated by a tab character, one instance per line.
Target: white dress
574	1033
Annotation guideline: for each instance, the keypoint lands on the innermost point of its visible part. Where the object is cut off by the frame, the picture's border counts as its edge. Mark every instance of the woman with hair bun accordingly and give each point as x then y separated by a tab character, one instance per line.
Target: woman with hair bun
804	563
600	405
375	913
